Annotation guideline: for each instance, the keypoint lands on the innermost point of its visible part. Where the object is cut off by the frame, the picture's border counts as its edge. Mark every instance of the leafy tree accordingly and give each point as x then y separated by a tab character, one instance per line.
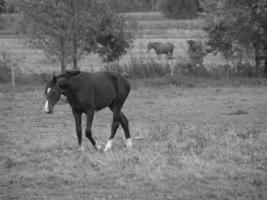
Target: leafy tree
180	9
114	38
2	6
238	22
9	6
65	28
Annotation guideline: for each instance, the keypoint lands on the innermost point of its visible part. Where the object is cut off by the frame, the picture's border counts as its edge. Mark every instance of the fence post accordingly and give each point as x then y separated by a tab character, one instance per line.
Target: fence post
12	76
12	70
152	6
171	64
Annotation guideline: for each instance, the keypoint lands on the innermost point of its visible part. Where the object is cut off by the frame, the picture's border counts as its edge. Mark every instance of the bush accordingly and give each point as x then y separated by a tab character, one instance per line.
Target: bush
179	9
5	74
114	37
190	69
245	70
140	68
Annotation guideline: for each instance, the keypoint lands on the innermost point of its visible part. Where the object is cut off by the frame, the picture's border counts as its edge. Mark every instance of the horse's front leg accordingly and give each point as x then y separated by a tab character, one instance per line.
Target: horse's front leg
88	131
158	55
114	127
78	124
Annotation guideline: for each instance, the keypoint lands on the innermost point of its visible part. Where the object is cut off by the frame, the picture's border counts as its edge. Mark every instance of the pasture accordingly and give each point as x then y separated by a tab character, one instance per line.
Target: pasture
203	141
189	143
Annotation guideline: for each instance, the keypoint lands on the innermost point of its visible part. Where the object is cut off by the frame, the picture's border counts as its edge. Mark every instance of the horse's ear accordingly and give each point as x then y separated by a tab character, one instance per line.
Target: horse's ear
54	79
190	41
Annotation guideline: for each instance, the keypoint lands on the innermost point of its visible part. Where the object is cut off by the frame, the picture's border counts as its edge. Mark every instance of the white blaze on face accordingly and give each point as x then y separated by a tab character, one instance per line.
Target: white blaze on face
48	90
46	109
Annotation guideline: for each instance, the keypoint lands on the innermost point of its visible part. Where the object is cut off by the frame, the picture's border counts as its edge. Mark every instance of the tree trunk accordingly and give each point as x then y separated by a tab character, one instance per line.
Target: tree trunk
265	61
74	38
265	67
63	65
152	5
63	55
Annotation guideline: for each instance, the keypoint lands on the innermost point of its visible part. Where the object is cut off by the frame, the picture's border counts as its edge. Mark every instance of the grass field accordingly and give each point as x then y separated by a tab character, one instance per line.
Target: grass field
198	143
203	141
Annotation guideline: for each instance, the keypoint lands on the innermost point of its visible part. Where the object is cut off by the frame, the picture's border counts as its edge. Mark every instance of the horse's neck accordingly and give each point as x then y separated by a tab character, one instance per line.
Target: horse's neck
68	90
155	48
71	98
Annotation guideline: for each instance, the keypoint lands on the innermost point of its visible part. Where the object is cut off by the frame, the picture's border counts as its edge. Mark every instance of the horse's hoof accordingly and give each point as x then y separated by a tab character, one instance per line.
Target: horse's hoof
129	143
98	148
81	149
108	145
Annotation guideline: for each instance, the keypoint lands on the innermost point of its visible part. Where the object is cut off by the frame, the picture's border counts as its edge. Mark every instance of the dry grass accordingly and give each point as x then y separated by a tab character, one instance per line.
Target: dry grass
185	147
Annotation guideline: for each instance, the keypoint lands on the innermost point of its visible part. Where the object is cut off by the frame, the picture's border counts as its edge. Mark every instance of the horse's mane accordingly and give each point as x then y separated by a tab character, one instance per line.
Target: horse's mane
69	74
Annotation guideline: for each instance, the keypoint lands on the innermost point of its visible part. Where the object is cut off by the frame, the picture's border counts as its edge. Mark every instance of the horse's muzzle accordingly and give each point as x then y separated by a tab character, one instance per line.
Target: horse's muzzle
47	110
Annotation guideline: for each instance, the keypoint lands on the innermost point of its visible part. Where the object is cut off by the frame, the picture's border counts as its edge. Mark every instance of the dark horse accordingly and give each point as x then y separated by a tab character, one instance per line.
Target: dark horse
161	48
90	92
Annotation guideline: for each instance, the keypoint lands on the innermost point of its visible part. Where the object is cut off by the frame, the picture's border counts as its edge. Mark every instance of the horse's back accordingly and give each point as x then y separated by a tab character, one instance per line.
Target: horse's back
102	88
107	81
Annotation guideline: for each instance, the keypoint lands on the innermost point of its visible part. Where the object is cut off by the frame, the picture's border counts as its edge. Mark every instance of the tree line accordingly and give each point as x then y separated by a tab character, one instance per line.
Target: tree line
235	26
69	29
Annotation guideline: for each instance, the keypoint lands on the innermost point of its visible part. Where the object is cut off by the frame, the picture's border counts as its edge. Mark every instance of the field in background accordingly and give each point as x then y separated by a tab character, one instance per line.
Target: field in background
150	27
202	143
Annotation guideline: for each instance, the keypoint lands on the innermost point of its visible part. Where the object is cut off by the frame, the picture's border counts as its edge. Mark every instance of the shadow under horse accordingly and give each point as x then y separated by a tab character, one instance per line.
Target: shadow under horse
161	48
87	93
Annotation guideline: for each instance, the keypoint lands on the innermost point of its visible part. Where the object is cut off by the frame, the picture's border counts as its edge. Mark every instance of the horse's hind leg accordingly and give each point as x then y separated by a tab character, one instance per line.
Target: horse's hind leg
88	131
124	123
114	127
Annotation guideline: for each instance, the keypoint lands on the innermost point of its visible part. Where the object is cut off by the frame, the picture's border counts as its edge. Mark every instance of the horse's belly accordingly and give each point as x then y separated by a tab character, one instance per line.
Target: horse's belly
104	98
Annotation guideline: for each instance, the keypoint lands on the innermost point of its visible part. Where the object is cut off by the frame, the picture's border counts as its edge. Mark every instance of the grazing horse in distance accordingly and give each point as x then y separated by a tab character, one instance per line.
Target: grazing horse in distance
197	51
161	48
87	93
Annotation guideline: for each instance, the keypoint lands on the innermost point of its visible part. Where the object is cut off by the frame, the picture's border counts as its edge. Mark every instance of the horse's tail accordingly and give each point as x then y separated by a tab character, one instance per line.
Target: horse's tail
172	46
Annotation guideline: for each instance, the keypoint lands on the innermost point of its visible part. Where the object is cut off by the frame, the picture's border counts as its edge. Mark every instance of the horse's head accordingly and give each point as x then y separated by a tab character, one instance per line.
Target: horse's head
190	42
52	94
149	47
